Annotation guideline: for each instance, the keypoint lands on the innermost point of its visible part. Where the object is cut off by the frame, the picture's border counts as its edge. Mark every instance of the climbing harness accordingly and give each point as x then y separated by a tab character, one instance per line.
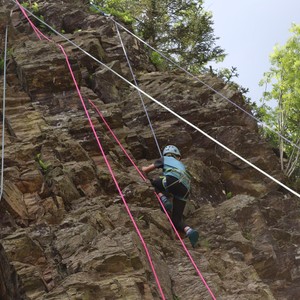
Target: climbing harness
166	186
3	112
199	80
140	95
182	177
175	168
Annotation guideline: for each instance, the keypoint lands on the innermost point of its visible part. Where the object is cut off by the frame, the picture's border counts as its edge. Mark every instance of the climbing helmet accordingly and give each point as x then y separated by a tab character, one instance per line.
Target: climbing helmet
171	149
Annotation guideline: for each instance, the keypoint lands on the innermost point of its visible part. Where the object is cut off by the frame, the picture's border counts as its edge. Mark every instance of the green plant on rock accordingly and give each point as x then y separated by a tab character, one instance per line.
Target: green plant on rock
35	8
158	61
42	164
141	217
25	4
41	25
247	235
229	195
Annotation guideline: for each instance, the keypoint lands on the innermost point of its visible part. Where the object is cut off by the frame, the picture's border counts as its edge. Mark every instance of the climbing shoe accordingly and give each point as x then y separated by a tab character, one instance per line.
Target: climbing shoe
193	236
167	203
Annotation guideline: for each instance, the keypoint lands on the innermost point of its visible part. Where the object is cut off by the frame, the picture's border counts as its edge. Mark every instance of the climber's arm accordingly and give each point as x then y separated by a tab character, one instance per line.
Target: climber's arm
148	168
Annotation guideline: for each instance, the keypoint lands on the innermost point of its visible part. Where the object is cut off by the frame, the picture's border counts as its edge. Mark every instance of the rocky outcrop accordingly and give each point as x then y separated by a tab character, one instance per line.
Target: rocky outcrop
64	231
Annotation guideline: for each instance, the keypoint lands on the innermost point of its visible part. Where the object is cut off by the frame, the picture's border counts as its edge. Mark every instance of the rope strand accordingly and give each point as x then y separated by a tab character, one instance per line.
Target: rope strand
140	95
3	111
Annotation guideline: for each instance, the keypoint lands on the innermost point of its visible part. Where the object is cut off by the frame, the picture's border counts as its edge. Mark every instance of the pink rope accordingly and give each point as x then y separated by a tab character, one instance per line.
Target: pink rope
170	220
36	30
39	34
104	156
186	250
113	176
117	140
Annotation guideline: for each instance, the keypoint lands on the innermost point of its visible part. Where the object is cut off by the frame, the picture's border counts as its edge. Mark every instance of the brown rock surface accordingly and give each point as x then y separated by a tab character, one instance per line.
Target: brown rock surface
64	231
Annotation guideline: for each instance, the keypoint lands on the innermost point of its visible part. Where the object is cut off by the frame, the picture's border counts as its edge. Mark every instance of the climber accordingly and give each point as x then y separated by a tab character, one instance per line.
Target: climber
174	182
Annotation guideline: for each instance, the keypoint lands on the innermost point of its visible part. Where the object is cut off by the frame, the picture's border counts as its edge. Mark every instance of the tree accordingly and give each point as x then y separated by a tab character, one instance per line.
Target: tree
181	29
118	8
284	79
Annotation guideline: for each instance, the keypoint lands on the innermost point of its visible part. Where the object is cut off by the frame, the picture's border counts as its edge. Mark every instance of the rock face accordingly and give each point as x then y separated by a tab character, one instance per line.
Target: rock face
65	233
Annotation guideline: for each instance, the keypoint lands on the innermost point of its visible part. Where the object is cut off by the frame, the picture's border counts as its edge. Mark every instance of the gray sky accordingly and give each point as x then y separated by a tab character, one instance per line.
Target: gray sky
248	31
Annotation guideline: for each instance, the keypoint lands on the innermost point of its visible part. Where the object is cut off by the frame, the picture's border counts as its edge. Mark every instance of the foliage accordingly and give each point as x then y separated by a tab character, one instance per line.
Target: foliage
283	81
117	8
227	75
41	163
34	7
181	29
25	4
158	61
229	195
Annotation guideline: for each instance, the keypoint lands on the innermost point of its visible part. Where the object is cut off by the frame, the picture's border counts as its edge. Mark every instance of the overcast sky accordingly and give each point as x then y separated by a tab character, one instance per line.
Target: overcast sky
248	31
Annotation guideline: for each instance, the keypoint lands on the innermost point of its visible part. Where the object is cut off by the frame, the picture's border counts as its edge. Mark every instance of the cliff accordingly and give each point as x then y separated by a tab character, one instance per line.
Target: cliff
65	233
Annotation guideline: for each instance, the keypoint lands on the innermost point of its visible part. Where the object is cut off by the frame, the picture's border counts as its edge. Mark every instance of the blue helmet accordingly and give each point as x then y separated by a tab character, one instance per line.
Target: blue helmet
170	149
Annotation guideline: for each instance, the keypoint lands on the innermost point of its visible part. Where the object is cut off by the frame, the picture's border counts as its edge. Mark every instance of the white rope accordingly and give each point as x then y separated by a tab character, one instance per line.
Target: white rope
3	111
166	108
199	80
140	95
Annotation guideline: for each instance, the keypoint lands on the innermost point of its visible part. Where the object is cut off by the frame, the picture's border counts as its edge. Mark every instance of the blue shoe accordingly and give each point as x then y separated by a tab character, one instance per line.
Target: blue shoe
167	203
193	236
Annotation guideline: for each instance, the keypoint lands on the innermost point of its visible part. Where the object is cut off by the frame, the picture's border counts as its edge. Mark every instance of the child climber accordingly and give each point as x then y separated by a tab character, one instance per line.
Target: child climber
175	182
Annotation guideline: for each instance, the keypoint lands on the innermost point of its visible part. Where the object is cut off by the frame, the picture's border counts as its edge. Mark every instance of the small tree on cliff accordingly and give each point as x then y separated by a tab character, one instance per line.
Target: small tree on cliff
181	29
284	80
